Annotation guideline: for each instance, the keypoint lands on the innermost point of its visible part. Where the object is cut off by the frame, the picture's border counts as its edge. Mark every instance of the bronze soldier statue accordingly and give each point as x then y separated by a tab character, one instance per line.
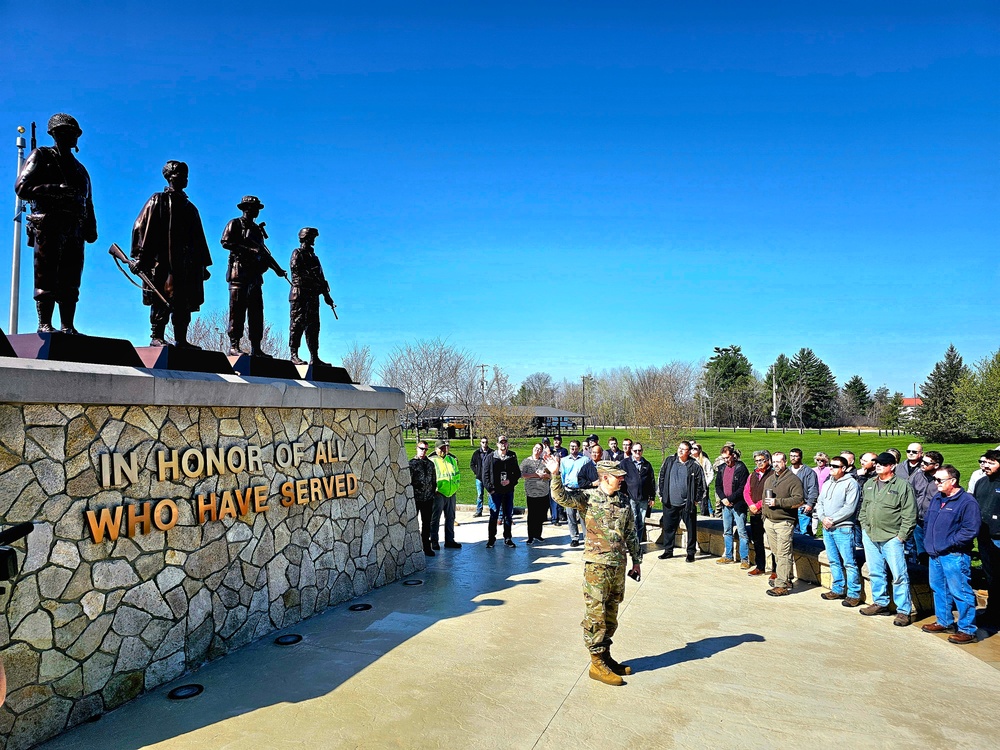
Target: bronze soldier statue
62	219
308	283
169	246
249	260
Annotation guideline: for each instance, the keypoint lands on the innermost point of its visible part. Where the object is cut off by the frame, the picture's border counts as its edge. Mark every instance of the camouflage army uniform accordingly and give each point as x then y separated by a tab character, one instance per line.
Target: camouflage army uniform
610	537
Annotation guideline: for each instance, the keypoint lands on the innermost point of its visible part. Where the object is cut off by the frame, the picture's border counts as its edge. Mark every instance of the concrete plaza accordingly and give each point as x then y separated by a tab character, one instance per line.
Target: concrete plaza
488	652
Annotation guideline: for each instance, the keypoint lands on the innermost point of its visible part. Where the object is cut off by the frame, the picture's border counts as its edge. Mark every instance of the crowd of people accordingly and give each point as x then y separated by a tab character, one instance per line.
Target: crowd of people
889	510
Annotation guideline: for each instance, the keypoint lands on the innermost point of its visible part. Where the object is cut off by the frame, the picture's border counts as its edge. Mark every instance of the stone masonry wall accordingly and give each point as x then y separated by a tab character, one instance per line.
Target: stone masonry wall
90	626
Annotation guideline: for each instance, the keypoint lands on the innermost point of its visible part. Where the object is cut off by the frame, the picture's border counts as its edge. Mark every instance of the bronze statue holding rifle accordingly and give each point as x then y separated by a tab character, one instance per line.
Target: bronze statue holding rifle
170	253
62	220
249	260
308	283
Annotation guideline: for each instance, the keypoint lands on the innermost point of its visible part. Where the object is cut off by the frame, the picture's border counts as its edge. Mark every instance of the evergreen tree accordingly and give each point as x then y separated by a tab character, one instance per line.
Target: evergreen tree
728	367
938	418
816	376
978	398
892	415
859	399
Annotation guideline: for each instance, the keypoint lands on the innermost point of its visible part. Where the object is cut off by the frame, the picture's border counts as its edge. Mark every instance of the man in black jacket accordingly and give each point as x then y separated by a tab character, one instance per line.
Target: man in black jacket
640	485
476	464
987	493
730	479
501	471
423	479
681	487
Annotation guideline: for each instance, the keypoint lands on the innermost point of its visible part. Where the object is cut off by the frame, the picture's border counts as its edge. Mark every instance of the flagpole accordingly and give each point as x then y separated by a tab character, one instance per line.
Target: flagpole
15	272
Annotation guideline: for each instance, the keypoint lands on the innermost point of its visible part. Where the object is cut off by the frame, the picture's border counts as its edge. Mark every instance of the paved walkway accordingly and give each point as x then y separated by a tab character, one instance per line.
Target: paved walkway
488	652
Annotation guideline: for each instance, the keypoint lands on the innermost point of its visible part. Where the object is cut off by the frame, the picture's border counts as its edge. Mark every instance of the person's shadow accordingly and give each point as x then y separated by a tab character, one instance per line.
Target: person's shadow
703	649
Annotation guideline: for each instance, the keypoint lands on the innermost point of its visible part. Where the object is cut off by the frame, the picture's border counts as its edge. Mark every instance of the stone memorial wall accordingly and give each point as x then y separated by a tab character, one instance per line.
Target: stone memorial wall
180	516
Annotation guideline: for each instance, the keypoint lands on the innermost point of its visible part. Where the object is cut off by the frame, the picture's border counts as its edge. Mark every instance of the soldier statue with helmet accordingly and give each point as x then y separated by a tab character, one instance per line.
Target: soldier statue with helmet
249	260
62	220
308	283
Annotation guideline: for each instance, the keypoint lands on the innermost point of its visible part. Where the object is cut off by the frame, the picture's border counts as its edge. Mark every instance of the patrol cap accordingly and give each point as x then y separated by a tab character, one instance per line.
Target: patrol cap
885	459
441	443
308	231
62	120
729	444
610	467
250	201
593	437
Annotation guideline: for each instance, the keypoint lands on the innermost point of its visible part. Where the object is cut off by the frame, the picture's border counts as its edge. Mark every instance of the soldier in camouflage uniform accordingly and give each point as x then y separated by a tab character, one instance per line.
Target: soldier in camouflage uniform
610	537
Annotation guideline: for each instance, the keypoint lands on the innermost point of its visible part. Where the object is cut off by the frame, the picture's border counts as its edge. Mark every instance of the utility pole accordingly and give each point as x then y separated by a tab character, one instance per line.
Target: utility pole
583	405
15	271
774	399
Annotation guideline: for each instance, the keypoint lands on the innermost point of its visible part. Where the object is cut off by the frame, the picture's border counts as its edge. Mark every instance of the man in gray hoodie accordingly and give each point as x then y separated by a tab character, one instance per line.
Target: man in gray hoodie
835	509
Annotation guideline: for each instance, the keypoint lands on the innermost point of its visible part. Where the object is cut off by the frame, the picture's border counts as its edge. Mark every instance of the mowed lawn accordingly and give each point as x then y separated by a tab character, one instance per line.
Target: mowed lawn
964	456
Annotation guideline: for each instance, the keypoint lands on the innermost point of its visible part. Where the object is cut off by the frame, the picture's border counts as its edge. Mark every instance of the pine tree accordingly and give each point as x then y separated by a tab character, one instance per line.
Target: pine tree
938	418
892	415
817	377
978	398
858	396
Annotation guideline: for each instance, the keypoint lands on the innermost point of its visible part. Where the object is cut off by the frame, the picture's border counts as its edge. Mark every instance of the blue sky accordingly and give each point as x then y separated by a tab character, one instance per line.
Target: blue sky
523	177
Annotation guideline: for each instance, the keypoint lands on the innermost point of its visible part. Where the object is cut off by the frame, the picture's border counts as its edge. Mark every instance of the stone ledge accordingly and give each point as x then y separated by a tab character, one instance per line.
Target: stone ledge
30	381
811	564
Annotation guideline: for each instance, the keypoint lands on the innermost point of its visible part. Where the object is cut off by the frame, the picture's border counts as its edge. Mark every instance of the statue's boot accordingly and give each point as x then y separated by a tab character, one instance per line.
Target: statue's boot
312	341
295	358
599	671
156	334
614	666
256	351
67	311
234	348
181	337
45	307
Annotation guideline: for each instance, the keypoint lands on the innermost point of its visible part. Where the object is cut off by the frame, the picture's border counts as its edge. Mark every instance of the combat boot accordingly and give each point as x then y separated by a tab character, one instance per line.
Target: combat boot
599	671
181	337
614	666
234	348
295	358
156	335
312	341
45	308
67	311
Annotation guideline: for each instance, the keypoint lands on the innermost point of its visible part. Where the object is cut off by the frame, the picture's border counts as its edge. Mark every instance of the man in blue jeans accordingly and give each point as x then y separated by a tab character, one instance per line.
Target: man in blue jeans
835	508
887	518
730	478
951	522
476	464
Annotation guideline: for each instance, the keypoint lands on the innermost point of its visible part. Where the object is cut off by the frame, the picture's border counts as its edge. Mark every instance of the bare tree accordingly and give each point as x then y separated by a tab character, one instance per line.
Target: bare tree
467	390
663	399
208	331
359	362
500	414
795	396
538	389
423	371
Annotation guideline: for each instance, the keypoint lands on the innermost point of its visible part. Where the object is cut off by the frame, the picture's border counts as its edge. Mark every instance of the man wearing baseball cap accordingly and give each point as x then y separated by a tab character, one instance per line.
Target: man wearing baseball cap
887	518
448	478
610	539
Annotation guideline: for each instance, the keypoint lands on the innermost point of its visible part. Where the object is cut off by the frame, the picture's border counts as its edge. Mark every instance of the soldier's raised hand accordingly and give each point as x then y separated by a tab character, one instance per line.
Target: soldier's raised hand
552	463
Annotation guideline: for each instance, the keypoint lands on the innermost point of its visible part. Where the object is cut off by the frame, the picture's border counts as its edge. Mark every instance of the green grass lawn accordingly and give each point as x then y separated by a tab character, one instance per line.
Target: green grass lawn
964	456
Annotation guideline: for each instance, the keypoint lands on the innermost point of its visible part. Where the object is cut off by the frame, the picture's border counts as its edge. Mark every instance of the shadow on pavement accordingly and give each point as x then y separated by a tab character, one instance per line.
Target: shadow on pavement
703	649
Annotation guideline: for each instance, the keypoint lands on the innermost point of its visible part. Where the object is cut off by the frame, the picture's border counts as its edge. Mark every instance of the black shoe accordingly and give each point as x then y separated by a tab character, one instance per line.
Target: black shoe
666	556
477	515
690	558
509	543
429	552
452	545
530	540
574	543
435	546
490	543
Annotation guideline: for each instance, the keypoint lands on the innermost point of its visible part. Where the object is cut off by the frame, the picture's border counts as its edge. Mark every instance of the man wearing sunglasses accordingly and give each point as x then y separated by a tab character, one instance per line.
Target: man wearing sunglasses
640	486
950	525
988	496
924	488
423	479
905	469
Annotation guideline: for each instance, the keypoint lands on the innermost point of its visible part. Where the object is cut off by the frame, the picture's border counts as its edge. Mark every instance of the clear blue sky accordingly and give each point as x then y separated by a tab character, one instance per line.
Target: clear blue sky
523	178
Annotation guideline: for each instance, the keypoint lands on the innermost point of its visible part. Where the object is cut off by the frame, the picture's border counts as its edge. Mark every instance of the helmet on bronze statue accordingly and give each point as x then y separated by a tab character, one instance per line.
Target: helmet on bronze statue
62	120
307	232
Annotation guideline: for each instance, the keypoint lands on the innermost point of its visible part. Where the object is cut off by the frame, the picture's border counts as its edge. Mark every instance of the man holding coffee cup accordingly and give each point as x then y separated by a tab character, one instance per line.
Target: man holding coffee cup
782	497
